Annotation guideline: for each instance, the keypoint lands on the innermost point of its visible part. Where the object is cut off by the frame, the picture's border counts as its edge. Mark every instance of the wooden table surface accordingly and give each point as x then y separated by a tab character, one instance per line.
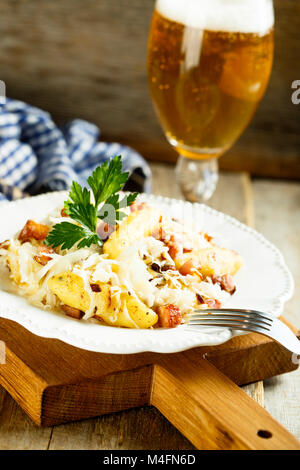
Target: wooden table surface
273	207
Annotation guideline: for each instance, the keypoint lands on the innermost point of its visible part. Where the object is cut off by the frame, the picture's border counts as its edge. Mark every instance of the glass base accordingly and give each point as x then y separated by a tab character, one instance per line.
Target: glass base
197	178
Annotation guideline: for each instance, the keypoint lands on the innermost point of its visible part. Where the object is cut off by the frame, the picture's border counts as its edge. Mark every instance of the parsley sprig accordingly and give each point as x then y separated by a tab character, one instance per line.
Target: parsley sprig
105	182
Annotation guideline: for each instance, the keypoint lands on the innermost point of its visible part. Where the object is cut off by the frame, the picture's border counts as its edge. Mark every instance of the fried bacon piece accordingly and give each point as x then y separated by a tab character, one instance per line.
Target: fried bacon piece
42	257
225	282
175	244
200	299
4	245
169	316
213	303
33	230
187	268
72	312
138	206
95	287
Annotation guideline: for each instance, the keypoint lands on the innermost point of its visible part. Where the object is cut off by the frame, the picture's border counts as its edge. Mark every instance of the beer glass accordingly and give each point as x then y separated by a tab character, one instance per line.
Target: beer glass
209	63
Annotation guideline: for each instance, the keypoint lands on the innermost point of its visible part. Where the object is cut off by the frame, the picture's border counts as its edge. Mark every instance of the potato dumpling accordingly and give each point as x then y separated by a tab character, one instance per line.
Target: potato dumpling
213	261
69	288
131	313
137	225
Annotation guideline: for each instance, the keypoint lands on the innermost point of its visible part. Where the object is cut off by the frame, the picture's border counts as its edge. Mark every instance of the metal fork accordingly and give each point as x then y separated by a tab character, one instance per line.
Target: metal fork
247	320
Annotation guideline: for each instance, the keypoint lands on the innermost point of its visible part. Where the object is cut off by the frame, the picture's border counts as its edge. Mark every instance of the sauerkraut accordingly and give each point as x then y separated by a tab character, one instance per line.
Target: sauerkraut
148	270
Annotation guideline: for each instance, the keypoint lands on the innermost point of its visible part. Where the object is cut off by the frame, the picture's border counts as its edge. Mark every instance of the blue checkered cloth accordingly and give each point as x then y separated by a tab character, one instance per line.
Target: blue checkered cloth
37	156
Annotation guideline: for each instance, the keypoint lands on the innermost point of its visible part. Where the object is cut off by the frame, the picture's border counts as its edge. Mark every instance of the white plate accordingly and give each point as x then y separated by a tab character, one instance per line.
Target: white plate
264	283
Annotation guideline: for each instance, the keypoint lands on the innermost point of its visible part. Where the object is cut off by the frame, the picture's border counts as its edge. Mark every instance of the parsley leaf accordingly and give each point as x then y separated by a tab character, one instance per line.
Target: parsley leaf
105	182
67	234
84	214
78	194
107	179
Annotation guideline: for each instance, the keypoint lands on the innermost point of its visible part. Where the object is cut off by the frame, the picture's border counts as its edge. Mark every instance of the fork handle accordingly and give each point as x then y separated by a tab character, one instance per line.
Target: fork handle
213	412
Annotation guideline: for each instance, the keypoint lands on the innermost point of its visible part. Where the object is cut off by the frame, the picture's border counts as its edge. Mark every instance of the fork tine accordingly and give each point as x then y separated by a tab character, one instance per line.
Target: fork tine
233	317
231	324
245	312
217	319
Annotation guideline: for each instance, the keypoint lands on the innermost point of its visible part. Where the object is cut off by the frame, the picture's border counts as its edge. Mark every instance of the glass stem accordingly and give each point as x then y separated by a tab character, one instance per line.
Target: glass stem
197	178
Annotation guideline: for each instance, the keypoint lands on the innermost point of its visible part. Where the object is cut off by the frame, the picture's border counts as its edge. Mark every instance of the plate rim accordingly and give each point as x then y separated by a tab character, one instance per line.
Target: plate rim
152	345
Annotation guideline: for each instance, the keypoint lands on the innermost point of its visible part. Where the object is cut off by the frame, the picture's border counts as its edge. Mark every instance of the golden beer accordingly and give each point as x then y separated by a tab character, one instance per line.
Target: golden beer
206	84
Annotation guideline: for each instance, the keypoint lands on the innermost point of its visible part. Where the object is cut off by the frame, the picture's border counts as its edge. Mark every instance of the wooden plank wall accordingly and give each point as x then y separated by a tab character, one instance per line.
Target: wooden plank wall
86	58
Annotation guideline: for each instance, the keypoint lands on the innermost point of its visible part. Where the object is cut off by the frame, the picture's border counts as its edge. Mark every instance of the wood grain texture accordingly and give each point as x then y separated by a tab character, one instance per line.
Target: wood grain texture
142	428
17	431
126	430
256	391
57	392
277	209
204	419
87	60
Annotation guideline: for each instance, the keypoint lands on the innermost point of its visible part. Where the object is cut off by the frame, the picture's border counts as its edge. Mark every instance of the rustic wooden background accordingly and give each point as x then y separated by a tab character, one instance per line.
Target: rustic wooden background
86	58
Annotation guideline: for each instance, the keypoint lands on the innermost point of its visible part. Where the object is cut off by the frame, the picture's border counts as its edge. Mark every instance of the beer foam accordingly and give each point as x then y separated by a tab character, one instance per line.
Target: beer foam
243	16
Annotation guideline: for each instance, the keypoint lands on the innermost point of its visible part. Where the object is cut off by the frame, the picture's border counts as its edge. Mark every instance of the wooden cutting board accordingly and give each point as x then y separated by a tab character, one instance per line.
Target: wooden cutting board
196	389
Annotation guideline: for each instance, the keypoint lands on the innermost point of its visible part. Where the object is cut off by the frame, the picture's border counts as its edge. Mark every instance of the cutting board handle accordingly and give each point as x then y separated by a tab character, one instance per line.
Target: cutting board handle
213	412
